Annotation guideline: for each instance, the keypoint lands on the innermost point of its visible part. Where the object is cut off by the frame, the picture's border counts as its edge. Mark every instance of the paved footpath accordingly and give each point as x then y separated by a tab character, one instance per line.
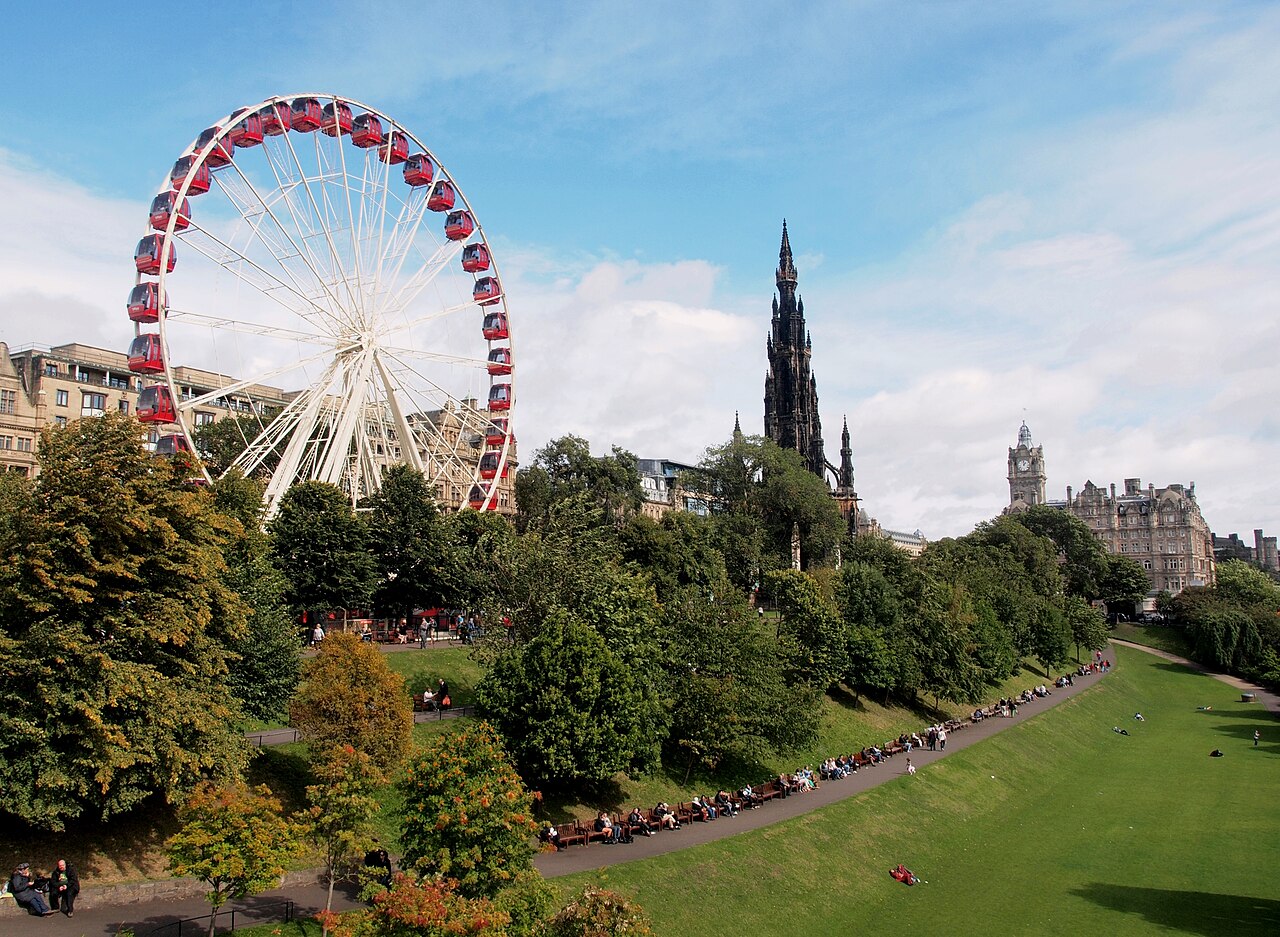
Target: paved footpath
147	917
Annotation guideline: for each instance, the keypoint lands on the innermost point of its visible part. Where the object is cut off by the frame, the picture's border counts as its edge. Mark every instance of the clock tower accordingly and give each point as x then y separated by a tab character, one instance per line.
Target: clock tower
1026	471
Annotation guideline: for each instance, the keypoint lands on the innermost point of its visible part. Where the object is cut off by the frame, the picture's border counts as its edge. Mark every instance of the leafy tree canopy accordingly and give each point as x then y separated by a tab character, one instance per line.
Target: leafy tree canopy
322	547
350	697
114	621
467	814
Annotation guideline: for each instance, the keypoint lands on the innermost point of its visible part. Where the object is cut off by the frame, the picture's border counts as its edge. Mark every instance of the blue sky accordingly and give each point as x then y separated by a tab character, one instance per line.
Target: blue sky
1058	212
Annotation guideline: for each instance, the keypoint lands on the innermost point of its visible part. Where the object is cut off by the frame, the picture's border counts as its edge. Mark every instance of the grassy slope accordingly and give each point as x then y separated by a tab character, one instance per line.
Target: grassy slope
845	727
1057	824
1162	637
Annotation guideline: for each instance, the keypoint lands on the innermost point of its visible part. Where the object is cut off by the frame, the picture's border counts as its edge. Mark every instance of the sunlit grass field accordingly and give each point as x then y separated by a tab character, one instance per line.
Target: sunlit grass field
1056	825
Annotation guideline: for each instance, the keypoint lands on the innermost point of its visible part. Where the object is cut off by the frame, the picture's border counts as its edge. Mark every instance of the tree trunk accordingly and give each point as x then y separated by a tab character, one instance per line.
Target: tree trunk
328	906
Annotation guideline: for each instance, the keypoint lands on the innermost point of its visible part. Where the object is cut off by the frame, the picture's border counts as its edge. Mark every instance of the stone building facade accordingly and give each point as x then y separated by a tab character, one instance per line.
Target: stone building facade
1161	529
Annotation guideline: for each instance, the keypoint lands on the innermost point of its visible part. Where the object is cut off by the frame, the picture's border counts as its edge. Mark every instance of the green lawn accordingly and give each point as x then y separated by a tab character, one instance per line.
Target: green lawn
1055	825
1162	637
424	668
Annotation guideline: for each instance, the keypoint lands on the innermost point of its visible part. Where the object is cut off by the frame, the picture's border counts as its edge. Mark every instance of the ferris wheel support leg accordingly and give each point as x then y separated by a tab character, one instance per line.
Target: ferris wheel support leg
286	471
408	445
354	391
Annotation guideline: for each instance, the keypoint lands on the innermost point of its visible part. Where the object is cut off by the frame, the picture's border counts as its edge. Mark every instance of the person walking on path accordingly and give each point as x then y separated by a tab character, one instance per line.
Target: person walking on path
1257	735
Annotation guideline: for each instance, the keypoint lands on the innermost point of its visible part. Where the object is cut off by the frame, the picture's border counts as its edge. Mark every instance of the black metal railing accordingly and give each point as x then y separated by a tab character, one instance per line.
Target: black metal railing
282	912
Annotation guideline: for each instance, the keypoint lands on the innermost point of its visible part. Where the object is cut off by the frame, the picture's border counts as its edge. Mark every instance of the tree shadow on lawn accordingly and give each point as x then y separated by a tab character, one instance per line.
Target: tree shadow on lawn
1192	912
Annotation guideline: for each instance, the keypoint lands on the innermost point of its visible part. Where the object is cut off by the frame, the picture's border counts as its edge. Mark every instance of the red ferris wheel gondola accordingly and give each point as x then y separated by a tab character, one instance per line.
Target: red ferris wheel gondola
500	362
144	302
162	211
336	119
146	257
477	496
459	226
145	355
475	258
184	168
275	118
500	397
419	170
442	196
247	131
366	131
220	153
172	444
155	405
490	463
395	149
495	326
487	291
496	432
306	115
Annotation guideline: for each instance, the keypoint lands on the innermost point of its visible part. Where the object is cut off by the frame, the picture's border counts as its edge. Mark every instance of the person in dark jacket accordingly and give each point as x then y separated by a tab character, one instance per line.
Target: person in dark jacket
22	887
64	885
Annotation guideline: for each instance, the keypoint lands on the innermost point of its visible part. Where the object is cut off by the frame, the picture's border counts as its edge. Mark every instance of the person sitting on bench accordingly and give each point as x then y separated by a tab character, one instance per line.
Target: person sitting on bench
23	889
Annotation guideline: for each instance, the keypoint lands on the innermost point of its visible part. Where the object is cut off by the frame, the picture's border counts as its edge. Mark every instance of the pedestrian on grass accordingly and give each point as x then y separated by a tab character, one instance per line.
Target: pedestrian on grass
1257	736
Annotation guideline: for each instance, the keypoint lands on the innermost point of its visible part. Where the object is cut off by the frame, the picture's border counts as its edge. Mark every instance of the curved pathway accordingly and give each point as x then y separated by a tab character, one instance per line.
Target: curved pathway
581	859
598	855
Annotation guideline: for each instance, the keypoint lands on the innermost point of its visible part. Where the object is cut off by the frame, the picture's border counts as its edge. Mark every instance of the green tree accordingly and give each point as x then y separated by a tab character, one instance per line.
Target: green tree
727	688
233	839
220	443
565	468
598	912
570	709
432	907
812	628
752	478
266	662
467	815
1124	584
409	544
1246	585
1085	559
340	812
1088	625
350	697
114	625
322	547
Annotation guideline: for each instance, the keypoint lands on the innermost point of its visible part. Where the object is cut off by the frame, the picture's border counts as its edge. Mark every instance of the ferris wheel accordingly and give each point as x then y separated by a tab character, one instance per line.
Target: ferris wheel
310	269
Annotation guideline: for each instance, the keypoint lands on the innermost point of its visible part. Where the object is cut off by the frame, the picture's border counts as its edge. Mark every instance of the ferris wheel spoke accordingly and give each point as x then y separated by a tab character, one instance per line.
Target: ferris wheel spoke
351	224
423	278
404	234
392	328
266	283
255	211
288	183
248	328
305	184
401	353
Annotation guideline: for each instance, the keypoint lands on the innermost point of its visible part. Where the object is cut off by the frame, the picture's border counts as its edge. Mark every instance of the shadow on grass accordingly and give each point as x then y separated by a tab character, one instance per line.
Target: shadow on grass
1189	912
286	772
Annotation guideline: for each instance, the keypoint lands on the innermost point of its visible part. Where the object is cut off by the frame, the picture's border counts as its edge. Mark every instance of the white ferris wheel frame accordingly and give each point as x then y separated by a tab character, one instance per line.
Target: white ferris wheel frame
358	360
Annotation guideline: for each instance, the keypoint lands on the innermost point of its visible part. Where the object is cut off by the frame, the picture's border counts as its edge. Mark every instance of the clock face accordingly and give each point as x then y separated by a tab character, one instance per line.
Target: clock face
1023	465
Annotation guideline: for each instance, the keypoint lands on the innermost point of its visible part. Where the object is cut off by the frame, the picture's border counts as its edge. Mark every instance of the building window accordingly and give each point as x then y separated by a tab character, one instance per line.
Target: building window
50	369
61	398
92	404
124	406
6	442
24	444
204	419
60	420
8	401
